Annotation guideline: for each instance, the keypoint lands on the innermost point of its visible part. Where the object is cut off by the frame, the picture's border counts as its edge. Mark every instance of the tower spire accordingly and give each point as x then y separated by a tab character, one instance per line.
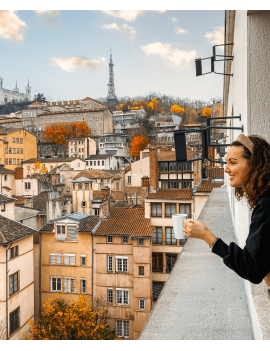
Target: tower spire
111	97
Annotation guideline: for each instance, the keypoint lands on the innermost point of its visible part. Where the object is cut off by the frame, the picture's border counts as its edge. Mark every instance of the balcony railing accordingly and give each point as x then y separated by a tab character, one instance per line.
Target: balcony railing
203	299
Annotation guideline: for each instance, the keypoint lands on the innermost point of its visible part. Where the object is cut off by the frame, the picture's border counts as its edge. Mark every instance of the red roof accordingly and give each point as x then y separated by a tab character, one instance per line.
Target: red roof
171	194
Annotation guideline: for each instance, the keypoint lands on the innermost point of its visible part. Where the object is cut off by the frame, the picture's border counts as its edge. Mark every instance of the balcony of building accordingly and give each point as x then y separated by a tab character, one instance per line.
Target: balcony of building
205	300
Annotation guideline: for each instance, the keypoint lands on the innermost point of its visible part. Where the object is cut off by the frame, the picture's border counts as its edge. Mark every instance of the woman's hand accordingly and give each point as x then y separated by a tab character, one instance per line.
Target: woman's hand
199	231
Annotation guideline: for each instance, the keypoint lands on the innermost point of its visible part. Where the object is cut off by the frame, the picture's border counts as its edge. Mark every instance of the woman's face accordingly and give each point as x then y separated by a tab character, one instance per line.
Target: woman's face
237	166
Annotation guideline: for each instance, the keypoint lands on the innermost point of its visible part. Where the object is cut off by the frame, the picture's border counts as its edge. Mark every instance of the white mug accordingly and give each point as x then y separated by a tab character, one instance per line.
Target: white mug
178	224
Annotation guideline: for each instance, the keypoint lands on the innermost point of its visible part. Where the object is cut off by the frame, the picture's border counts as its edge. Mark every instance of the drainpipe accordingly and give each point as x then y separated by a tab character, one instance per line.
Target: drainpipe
40	243
224	61
7	288
92	268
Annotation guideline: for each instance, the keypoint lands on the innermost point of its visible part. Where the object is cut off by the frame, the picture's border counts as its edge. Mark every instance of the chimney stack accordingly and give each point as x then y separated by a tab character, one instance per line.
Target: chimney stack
154	169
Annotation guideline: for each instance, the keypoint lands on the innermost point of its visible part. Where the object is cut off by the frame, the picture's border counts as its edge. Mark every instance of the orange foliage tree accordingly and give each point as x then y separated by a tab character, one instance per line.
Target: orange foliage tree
37	168
119	107
138	143
74	321
177	109
59	133
206	112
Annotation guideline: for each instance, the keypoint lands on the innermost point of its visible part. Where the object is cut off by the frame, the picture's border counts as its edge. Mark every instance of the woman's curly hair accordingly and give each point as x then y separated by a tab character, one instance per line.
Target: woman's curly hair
258	180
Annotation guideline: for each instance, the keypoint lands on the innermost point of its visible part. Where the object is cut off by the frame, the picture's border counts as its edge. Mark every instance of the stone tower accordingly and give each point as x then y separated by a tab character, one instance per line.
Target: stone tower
111	97
28	90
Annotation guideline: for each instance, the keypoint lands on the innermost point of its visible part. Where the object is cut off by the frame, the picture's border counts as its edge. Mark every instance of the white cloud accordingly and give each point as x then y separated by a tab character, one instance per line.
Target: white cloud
181	31
128	31
216	37
11	27
169	54
127	15
174	19
74	62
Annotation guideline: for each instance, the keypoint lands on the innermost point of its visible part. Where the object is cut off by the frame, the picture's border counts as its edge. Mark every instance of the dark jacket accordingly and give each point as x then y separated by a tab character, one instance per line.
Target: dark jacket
253	261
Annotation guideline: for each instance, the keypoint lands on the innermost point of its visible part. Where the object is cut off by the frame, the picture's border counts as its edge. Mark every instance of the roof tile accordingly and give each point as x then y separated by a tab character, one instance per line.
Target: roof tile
171	194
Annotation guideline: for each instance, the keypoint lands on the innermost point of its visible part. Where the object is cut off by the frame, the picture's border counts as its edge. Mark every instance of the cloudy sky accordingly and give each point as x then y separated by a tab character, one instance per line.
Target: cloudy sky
65	53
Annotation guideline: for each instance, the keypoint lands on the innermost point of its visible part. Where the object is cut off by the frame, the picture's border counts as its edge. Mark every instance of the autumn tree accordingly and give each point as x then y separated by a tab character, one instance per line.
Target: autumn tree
206	112
37	168
59	133
138	143
74	321
177	109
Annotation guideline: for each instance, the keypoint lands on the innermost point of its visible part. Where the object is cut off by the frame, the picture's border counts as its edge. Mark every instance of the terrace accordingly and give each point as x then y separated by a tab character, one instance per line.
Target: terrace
203	299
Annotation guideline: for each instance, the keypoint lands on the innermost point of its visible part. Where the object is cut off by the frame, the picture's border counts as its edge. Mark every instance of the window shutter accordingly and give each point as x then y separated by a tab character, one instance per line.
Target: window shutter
71	233
72	260
58	259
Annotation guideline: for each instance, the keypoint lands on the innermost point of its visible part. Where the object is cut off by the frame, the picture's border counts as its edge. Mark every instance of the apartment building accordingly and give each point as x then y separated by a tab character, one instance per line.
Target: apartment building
102	162
159	208
119	273
66	257
97	115
16	146
81	147
17	268
88	181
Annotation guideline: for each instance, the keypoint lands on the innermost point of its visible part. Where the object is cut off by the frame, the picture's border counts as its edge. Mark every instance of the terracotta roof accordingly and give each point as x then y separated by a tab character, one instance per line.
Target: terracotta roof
52	160
97	194
11	230
171	194
95	174
126	221
98	102
117	195
36	103
5	131
89	224
166	155
216	173
6	199
208	185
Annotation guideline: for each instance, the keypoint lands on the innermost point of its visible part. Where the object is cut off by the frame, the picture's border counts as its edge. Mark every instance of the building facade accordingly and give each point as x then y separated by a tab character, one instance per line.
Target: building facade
14	95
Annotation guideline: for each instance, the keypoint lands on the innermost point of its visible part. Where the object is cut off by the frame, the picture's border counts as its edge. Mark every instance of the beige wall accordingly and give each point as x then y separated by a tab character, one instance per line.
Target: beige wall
24	298
9	210
82	247
138	170
10	183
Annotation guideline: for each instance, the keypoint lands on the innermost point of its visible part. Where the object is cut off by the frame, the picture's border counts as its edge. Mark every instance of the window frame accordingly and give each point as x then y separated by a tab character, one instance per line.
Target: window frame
155	236
171	240
156	210
140	308
12	331
123	329
125	239
109	263
157	268
56	261
140	241
110	296
109	239
56	283
81	257
141	271
72	285
120	291
69	260
117	265
62	234
170	211
83	288
17	274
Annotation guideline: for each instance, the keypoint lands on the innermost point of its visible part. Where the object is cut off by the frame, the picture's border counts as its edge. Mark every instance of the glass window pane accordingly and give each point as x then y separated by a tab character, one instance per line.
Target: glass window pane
159	210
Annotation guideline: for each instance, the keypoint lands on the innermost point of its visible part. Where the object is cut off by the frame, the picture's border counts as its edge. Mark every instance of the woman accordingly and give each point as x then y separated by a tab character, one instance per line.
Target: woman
248	167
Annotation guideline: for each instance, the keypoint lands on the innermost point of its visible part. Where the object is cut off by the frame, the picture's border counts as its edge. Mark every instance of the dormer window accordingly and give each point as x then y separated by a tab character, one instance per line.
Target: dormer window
61	232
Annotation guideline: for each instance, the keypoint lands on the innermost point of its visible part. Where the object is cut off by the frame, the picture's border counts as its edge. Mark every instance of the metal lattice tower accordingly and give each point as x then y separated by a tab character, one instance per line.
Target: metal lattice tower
111	97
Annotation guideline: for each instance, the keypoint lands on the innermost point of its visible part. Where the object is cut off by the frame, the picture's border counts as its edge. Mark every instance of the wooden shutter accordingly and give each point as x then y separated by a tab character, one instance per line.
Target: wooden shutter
71	233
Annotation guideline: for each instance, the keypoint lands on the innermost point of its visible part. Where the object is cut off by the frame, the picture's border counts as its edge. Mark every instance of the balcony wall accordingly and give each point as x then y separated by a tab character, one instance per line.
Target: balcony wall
203	299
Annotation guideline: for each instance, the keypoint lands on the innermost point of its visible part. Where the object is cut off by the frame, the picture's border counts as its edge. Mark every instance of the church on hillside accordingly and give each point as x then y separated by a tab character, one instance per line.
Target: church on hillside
14	95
